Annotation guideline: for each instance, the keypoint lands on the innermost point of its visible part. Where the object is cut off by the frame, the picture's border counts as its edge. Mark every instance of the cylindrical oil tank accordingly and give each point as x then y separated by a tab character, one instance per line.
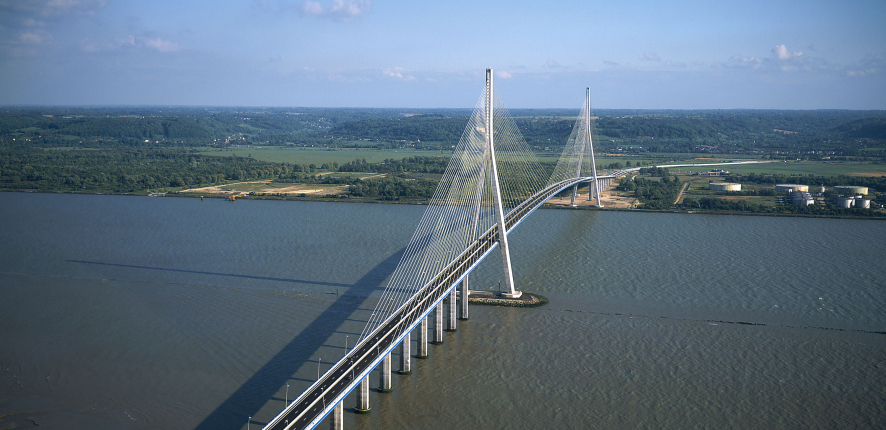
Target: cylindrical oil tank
862	203
850	189
790	188
845	202
724	186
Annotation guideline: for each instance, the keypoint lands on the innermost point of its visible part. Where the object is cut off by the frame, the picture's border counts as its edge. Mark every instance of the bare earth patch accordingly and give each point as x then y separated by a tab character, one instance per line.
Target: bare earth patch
607	196
267	187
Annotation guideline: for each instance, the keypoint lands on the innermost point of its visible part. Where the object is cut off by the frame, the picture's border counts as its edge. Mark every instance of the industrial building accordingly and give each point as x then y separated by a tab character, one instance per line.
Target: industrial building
715	172
801	198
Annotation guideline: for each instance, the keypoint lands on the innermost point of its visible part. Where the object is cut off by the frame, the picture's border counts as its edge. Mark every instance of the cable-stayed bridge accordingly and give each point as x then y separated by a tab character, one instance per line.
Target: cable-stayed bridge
492	183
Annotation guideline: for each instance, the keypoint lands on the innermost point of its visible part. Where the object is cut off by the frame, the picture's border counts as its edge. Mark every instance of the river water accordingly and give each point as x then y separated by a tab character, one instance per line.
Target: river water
126	312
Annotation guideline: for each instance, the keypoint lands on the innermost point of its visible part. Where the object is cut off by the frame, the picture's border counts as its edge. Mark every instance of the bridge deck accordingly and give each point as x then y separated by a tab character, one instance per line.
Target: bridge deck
312	406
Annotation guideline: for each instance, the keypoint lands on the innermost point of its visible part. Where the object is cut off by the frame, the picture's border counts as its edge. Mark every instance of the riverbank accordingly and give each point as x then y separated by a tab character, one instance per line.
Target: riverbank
872	214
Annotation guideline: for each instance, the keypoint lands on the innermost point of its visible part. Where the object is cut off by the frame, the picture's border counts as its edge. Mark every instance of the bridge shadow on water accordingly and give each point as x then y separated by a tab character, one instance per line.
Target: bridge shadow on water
199	272
264	384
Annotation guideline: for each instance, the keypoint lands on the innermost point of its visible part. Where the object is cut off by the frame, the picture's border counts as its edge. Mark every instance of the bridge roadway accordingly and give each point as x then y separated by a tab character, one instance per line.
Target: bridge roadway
311	407
318	400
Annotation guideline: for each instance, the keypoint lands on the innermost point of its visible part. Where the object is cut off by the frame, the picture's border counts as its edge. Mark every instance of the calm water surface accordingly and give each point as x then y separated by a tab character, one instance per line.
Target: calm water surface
171	313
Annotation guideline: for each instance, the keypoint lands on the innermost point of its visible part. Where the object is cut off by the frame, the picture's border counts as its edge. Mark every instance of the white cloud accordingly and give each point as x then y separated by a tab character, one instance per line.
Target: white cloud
741	62
781	52
867	67
161	45
651	56
503	74
312	8
398	73
340	9
86	7
34	37
860	73
552	64
64	8
31	22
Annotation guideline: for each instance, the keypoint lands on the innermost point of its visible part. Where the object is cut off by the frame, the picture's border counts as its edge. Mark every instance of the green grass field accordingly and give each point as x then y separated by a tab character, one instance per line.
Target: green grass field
320	156
815	168
794	168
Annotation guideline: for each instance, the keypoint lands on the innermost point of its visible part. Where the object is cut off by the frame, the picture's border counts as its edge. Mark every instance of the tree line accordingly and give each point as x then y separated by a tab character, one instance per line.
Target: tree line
124	170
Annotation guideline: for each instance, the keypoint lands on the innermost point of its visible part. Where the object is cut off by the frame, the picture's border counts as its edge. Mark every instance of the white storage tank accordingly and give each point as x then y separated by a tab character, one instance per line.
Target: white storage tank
845	202
790	188
850	189
724	186
862	203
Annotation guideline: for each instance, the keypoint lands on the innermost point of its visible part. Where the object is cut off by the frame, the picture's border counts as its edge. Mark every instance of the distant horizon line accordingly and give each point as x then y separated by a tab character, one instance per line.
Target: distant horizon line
159	106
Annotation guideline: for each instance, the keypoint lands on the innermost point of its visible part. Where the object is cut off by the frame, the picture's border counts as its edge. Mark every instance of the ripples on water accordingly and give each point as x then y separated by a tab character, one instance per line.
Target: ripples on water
142	313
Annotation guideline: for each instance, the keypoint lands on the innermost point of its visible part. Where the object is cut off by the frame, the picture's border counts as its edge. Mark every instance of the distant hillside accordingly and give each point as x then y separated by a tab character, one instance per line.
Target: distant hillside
837	132
870	128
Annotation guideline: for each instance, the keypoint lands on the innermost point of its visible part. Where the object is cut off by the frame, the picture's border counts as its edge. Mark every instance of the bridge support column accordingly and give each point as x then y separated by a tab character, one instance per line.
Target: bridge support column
385	378
453	308
423	338
463	305
405	357
589	142
496	194
338	417
438	325
363	397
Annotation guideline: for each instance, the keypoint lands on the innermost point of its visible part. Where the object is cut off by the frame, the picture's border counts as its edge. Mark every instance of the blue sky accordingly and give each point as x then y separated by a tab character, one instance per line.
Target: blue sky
415	54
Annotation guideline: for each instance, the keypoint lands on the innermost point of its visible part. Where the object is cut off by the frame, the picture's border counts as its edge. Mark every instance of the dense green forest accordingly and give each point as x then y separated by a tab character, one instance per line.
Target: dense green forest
124	170
394	188
409	164
654	194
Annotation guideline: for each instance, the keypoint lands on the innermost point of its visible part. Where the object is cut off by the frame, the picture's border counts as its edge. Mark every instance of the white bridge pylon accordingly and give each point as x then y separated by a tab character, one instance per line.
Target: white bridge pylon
492	170
573	159
493	182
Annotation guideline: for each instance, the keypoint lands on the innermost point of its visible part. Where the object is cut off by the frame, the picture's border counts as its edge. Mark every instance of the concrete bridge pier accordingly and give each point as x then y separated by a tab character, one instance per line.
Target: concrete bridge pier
338	417
423	339
363	397
453	308
405	357
385	382
438	325
463	305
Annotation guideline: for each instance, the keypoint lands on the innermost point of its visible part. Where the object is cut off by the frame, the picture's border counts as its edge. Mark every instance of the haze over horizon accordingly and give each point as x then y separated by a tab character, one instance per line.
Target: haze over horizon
392	53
